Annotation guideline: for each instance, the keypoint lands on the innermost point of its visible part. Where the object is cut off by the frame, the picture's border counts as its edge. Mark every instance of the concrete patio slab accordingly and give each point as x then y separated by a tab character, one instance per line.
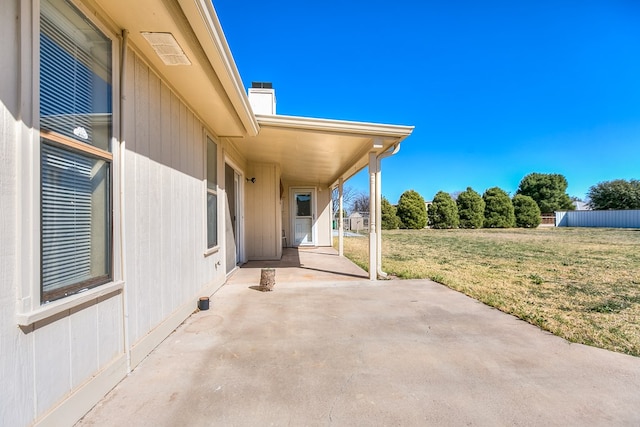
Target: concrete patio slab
355	352
302	266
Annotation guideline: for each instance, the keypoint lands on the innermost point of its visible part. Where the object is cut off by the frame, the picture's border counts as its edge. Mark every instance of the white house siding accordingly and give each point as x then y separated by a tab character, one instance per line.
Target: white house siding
44	363
165	210
72	348
324	217
16	350
55	369
263	212
610	219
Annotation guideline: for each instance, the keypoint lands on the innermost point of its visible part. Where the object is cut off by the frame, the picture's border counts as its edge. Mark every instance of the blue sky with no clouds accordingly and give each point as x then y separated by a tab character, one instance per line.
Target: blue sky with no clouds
495	89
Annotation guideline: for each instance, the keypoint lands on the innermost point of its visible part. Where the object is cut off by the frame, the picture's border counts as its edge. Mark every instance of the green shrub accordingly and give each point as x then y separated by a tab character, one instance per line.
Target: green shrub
389	219
470	209
498	209
548	190
443	212
412	210
527	211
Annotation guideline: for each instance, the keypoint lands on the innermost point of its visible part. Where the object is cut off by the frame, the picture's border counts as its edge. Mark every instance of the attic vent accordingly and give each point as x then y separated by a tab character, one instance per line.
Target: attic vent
262	85
167	48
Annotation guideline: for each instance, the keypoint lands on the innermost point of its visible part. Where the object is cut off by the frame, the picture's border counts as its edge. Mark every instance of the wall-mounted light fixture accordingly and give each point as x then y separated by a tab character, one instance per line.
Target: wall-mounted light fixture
252	180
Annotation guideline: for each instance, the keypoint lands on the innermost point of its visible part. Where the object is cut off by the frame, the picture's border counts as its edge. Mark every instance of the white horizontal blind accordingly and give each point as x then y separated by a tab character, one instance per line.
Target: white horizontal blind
66	218
212	193
61	70
75	106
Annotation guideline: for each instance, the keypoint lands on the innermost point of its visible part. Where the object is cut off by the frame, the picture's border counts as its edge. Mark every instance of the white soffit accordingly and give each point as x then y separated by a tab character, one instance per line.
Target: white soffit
167	48
316	150
211	86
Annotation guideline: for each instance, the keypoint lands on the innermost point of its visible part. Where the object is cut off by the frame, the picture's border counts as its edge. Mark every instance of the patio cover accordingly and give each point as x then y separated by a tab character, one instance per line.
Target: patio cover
319	151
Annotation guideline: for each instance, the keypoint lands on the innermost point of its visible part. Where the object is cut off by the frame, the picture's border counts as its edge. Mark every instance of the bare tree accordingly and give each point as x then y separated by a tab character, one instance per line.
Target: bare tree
348	194
360	203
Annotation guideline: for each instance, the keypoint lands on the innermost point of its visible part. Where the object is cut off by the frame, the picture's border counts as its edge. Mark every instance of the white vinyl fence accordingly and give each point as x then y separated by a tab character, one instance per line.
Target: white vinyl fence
608	219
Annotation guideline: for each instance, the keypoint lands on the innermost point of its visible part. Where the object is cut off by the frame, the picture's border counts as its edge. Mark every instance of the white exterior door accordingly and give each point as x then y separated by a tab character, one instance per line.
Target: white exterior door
233	218
304	217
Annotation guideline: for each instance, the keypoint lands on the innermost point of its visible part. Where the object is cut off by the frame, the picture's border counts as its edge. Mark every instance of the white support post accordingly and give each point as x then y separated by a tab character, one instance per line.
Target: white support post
378	203
340	218
379	158
373	240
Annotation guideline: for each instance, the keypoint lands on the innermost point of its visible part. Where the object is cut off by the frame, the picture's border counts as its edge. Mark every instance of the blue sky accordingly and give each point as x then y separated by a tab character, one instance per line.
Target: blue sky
495	89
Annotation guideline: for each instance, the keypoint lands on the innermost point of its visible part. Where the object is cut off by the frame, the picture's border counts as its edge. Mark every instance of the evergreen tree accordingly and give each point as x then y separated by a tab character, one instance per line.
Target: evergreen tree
411	210
527	211
616	194
470	209
548	190
443	212
498	210
389	219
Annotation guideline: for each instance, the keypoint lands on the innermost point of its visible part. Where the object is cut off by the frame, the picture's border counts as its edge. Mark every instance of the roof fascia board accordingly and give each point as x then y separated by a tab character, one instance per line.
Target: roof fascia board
335	126
222	61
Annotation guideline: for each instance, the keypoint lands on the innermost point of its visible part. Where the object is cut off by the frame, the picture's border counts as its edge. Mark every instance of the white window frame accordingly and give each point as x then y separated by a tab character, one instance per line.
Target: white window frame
314	214
228	160
214	191
29	308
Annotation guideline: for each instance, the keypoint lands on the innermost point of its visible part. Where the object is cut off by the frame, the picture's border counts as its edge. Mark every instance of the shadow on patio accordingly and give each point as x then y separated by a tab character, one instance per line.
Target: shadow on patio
299	265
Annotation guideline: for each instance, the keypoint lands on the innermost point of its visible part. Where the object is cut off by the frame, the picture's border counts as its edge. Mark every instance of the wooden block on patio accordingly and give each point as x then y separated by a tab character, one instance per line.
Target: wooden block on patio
267	279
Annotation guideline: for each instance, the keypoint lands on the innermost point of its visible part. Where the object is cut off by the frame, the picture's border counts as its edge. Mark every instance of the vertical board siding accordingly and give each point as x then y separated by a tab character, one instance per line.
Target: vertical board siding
262	224
16	348
323	219
83	343
109	335
70	350
131	189
167	295
606	219
52	348
164	182
140	246
155	201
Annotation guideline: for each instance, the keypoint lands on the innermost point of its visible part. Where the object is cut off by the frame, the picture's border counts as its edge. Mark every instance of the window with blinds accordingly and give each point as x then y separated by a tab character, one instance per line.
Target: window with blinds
212	193
75	157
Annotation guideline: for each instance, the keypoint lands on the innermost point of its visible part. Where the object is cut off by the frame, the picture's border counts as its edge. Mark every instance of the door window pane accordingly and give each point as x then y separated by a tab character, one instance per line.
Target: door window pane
303	204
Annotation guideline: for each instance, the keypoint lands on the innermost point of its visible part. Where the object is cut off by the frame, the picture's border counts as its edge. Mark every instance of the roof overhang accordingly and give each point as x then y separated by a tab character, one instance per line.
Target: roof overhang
309	150
318	151
211	85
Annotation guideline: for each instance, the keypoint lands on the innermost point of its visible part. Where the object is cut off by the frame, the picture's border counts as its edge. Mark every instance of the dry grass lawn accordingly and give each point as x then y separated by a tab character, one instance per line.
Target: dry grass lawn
582	284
